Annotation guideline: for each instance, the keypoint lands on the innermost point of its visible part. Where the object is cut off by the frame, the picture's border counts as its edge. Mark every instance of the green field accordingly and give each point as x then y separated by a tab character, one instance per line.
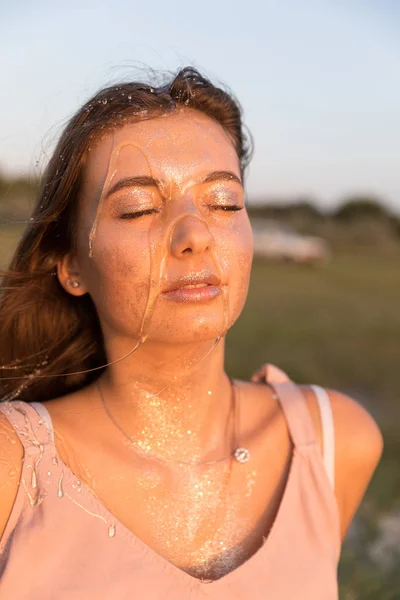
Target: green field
337	326
9	236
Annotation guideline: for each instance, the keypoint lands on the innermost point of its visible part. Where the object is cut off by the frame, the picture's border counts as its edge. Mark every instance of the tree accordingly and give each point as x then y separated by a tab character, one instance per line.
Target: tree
360	208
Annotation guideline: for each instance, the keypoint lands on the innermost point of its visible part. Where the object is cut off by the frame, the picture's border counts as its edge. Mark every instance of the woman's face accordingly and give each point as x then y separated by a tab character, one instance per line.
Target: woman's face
164	241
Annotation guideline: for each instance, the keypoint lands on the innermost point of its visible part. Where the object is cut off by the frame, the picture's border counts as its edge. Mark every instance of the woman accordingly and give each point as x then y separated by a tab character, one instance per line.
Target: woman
130	462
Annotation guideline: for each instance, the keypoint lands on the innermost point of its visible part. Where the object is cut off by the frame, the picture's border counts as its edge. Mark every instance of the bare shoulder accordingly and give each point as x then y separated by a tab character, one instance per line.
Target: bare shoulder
357	434
358	448
11	459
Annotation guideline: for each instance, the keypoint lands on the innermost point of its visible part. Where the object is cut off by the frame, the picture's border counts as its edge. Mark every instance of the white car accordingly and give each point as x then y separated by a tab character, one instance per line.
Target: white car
278	241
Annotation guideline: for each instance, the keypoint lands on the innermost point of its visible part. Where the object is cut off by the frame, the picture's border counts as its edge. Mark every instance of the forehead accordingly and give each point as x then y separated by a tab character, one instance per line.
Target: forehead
177	146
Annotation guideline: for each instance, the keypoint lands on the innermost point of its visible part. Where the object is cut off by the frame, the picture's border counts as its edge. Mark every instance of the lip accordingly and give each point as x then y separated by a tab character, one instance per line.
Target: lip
203	287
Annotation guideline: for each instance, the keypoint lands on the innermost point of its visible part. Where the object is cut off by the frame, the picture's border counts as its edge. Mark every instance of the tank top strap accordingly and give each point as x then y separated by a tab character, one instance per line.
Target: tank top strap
296	411
328	431
292	401
29	425
45	416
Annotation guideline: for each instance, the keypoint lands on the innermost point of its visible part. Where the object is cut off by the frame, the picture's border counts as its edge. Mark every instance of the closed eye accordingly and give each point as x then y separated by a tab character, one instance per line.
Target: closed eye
150	211
140	213
232	207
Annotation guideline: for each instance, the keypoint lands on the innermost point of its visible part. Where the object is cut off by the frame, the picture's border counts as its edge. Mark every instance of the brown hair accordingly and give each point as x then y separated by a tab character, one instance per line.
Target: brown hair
44	330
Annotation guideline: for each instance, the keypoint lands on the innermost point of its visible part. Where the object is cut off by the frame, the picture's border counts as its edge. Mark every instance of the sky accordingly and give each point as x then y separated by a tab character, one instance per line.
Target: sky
318	80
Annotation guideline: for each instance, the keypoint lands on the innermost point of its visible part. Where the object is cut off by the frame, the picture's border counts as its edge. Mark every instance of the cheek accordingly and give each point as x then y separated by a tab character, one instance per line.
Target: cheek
235	253
117	275
242	266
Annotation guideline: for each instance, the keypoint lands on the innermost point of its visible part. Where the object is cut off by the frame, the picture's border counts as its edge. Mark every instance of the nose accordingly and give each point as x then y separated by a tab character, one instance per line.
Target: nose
190	236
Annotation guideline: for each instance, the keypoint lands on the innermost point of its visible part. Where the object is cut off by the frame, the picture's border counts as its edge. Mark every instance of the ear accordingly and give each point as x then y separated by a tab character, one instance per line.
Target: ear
70	277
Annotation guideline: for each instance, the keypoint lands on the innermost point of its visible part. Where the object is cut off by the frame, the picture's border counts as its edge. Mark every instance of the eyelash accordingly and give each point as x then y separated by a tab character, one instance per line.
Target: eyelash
150	211
141	213
232	208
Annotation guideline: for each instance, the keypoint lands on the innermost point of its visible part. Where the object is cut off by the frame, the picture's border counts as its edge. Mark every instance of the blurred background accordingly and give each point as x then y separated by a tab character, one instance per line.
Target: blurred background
319	85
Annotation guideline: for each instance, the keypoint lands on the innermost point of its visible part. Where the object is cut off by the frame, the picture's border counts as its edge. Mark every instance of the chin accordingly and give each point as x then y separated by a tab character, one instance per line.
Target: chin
186	330
183	323
193	326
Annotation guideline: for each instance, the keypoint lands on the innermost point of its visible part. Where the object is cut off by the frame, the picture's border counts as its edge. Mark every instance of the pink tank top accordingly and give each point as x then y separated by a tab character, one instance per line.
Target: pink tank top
61	541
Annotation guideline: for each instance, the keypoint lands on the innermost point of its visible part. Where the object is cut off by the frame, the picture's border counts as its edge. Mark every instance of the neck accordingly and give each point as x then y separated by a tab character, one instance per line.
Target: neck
172	401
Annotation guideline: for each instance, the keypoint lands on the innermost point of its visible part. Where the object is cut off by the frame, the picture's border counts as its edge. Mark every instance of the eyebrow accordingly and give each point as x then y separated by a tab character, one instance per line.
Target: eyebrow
140	181
221	175
147	181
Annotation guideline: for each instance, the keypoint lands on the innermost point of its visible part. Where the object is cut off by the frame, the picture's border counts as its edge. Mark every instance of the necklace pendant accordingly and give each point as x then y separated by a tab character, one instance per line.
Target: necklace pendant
242	455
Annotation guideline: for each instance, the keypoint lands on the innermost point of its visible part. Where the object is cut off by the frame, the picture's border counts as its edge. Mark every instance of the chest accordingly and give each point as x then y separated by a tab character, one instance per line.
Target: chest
204	520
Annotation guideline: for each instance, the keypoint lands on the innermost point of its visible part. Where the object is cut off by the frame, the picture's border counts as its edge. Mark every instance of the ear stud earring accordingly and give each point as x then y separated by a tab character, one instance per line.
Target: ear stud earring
73	283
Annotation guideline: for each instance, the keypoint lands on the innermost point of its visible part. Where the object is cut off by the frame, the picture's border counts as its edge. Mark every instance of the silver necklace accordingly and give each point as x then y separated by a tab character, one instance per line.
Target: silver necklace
239	453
